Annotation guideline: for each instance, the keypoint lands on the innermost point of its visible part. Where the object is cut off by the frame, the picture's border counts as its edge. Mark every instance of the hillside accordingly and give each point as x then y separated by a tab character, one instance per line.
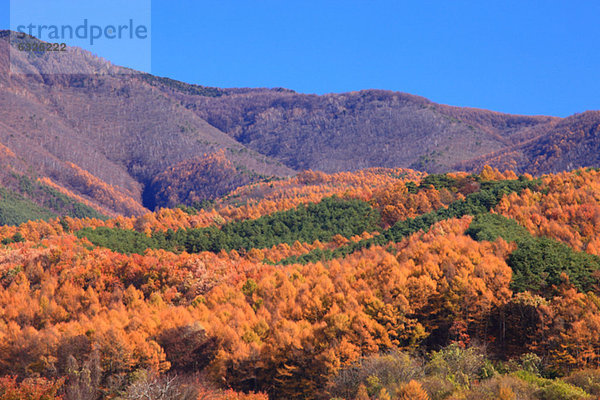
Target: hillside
572	143
122	140
22	200
370	284
349	131
107	123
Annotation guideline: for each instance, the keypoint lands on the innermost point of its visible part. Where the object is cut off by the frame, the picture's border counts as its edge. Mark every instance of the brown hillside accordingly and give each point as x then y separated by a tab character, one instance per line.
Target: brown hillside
571	143
371	128
109	123
136	133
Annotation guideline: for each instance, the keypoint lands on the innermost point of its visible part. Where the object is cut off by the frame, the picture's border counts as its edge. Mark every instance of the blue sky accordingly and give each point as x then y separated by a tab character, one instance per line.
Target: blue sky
525	57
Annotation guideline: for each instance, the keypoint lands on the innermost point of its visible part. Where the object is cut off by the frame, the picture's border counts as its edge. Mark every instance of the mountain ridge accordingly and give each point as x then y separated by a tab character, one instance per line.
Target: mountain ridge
132	132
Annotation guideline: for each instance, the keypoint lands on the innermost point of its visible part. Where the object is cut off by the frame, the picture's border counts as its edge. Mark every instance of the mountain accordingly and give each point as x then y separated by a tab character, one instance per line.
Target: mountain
571	143
370	128
296	258
106	133
127	142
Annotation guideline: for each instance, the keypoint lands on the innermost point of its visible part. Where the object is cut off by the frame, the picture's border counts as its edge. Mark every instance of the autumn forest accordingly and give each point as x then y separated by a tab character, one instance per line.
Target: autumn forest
375	284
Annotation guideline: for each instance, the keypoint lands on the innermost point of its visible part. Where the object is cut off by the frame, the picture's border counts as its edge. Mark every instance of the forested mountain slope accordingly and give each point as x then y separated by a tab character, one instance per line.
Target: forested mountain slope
572	143
370	128
107	123
378	284
124	140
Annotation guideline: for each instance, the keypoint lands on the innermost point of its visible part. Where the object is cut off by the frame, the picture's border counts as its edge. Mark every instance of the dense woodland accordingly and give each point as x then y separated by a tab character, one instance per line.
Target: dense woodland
157	241
378	284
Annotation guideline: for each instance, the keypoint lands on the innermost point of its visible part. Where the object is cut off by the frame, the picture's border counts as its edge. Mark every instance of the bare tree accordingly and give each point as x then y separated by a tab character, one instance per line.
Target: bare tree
151	386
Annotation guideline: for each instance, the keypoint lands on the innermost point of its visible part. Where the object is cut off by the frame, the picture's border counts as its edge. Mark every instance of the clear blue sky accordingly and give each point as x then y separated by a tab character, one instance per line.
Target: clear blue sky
527	57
